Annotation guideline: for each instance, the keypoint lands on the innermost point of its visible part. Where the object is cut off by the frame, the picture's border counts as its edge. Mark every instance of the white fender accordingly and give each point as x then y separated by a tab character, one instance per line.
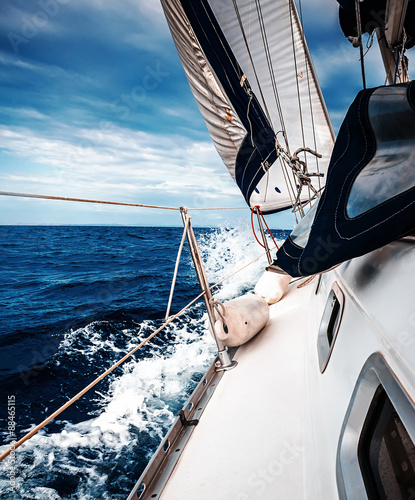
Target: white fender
271	286
244	317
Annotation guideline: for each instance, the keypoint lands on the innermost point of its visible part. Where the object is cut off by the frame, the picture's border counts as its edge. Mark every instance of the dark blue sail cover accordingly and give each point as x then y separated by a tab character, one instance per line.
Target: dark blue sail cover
369	199
258	148
253	92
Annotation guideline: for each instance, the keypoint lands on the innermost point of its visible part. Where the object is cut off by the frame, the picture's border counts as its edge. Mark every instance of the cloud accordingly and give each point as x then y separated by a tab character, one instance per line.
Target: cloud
23	113
115	164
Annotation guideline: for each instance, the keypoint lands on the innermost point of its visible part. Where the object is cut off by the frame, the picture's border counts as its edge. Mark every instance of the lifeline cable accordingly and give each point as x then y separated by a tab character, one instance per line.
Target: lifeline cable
93	383
86	200
36	429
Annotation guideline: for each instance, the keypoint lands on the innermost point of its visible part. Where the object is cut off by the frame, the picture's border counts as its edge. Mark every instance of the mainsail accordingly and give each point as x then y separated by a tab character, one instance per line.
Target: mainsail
251	74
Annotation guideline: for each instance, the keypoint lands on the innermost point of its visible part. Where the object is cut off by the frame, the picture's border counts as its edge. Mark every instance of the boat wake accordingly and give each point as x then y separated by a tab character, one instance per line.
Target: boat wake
108	437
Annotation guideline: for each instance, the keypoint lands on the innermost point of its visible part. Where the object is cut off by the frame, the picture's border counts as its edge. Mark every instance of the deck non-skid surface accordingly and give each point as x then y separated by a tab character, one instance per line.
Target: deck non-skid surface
249	442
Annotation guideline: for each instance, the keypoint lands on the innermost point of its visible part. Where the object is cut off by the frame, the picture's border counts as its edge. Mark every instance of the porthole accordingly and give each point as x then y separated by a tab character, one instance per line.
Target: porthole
386	452
376	452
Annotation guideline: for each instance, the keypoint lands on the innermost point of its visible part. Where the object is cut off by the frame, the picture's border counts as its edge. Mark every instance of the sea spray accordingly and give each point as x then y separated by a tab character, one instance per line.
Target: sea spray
100	448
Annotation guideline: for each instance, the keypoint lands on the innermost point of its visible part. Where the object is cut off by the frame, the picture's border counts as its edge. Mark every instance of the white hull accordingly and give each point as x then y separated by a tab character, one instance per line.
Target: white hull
274	424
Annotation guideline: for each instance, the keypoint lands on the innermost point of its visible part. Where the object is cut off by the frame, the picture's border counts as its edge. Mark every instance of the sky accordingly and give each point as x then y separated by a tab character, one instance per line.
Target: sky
94	104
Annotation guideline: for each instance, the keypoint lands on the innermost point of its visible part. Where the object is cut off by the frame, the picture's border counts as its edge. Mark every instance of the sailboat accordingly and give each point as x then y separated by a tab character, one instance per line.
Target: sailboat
319	404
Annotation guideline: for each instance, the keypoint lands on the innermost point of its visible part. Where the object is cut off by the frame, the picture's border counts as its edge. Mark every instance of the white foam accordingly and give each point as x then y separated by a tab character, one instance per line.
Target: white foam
138	400
225	252
145	394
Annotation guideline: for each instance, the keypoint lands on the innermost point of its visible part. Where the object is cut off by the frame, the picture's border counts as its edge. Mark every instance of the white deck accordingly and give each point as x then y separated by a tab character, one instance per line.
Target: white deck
239	454
273	427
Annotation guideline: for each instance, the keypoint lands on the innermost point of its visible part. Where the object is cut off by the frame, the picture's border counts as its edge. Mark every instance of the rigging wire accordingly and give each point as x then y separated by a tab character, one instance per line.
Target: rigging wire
271	71
308	85
237	70
238	15
287	174
274	85
296	72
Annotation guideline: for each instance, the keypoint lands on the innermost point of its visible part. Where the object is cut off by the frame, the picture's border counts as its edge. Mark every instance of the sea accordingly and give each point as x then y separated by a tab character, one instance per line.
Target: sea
74	300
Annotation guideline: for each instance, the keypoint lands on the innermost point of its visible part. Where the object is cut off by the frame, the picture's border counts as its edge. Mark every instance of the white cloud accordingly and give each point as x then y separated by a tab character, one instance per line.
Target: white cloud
115	164
23	112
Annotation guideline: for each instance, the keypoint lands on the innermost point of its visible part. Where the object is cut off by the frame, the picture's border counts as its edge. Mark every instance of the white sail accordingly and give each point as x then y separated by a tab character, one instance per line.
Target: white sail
253	88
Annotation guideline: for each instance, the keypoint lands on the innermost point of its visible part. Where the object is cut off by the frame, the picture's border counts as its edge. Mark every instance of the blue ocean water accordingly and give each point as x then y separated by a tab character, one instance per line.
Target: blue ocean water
74	300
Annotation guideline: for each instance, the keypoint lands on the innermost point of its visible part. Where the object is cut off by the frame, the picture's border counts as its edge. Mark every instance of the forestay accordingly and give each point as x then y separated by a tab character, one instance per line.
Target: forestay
249	69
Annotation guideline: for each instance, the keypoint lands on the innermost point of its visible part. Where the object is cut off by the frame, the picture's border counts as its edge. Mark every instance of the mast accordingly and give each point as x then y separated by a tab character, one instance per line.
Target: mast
391	40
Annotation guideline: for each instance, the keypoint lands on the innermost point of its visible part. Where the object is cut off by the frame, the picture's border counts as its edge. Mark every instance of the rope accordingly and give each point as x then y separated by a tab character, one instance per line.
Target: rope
218	306
265	222
398	60
36	429
307	281
299	168
288	183
269	230
251	96
359	36
301	27
82	200
95	382
85	200
176	267
220	208
238	15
